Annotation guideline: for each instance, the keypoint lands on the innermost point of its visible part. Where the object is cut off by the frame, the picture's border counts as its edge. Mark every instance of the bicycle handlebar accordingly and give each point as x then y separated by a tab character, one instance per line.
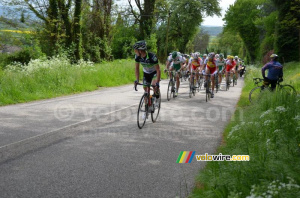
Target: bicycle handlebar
147	85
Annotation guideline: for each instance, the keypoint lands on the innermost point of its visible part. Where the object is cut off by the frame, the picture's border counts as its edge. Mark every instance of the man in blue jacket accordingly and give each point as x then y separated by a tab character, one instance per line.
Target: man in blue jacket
275	71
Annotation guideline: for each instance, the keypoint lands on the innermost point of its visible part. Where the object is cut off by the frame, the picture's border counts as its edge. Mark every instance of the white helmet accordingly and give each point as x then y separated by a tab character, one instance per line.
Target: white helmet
236	57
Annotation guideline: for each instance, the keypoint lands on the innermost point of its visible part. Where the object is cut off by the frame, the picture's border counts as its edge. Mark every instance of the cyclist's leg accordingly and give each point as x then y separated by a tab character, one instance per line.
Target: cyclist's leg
206	77
152	79
192	75
177	77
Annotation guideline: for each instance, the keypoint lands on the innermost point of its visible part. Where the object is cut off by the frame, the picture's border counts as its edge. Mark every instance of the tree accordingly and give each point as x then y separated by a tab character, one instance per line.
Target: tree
22	19
144	17
201	41
240	18
288	29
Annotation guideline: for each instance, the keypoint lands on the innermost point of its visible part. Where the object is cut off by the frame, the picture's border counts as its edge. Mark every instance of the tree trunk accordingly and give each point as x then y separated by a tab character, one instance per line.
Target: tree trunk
77	29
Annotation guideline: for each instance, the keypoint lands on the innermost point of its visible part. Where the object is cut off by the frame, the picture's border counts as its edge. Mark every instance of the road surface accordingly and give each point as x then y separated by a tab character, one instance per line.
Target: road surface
89	145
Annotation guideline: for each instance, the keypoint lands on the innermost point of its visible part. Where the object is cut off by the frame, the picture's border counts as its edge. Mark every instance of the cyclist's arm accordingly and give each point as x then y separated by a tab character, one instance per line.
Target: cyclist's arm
263	70
137	71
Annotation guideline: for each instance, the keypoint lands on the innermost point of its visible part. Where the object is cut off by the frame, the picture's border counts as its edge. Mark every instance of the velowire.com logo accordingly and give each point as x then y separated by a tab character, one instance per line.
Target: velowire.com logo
187	157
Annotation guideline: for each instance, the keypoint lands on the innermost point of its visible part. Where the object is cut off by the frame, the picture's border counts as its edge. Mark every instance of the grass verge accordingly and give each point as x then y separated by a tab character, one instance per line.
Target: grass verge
42	79
269	132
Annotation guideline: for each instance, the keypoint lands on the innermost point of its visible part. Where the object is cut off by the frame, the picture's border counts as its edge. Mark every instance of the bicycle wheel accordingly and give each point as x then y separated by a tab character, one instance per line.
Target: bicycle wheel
200	82
288	90
194	86
227	84
234	79
191	88
256	93
208	93
156	110
217	83
169	93
142	113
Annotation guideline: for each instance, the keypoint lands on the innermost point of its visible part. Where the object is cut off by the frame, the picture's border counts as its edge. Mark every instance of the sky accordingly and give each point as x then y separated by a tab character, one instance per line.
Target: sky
215	20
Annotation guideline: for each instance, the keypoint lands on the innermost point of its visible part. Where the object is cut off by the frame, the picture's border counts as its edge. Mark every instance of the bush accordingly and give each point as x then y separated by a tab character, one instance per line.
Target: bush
24	56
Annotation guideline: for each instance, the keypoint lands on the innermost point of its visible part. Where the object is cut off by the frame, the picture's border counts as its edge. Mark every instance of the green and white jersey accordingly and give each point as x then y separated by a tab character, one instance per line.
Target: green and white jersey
221	63
149	62
177	61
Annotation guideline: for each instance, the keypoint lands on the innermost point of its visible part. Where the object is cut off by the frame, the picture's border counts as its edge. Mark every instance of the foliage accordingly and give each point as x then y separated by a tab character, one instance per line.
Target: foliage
239	18
269	133
47	78
288	31
123	39
201	41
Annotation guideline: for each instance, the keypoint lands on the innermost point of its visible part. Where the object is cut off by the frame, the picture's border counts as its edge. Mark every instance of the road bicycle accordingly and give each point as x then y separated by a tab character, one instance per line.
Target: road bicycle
200	81
234	80
208	87
257	92
217	81
193	86
228	80
148	105
171	87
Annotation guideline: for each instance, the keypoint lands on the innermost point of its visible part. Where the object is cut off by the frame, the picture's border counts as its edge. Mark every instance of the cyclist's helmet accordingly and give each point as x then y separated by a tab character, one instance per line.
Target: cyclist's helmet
175	54
217	55
229	57
221	56
204	55
196	55
211	55
236	57
140	45
273	56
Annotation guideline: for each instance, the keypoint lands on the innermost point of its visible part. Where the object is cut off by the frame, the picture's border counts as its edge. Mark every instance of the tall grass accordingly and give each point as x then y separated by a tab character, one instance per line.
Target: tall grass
269	132
57	76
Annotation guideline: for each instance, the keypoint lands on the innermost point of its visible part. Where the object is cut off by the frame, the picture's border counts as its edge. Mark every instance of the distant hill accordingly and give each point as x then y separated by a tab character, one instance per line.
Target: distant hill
212	30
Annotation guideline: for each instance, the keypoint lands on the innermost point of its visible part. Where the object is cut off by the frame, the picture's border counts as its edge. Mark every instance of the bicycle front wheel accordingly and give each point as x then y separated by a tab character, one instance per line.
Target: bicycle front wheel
200	82
256	93
142	112
169	93
217	83
155	113
208	93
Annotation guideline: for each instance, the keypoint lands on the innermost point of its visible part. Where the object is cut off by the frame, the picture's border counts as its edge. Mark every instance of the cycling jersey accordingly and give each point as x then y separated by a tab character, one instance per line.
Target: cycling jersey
211	65
237	64
195	62
275	70
221	64
176	63
230	65
149	62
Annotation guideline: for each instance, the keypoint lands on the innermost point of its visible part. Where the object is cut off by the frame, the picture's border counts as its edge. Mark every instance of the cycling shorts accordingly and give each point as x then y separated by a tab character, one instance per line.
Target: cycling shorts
228	68
147	79
213	70
176	66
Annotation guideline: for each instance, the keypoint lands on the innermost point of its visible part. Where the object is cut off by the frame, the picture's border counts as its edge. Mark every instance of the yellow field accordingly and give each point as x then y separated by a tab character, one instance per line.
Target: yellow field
18	31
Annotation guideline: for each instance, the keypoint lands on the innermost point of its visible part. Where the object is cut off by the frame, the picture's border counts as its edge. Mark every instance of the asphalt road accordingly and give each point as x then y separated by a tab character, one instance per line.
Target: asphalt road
89	145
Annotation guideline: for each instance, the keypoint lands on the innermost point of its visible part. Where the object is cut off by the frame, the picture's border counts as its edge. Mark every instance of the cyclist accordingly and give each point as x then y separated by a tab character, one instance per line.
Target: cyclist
194	65
186	65
230	66
236	59
150	65
275	72
176	61
221	65
211	68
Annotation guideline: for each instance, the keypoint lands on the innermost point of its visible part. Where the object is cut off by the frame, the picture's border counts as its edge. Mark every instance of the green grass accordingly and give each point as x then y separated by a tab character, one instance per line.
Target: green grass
56	77
270	133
